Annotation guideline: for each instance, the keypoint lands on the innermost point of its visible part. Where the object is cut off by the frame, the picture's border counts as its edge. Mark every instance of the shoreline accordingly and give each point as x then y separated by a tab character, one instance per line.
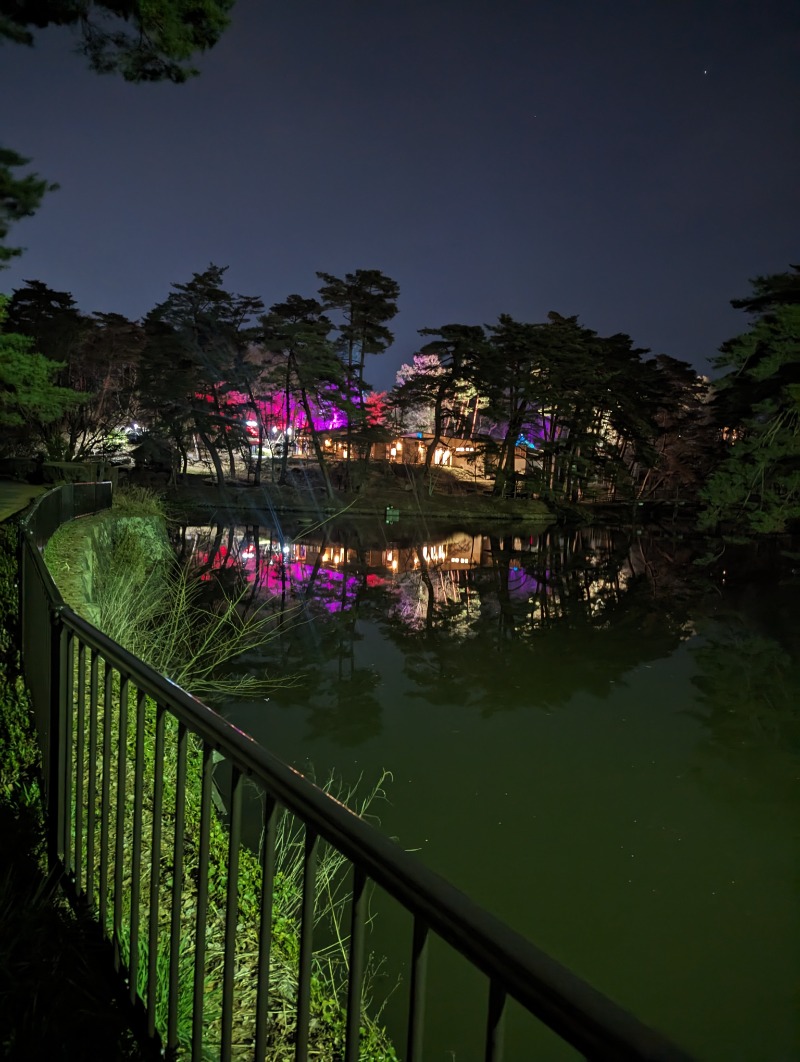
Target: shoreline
241	500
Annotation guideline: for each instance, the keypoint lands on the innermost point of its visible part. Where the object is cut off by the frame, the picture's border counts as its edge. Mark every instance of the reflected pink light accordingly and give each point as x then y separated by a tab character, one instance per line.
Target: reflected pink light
275	576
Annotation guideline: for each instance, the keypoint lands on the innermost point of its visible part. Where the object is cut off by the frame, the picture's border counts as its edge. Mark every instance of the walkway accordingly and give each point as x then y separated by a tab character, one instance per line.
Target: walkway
15	496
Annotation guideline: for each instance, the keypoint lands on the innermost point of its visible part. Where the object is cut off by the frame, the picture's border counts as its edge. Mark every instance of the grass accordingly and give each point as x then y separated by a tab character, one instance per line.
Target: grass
163	617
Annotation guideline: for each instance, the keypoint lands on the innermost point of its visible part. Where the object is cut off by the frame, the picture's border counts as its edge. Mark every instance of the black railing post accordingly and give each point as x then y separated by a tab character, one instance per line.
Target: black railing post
55	759
153	939
270	819
231	913
203	860
416	1003
136	853
355	983
494	1023
181	751
119	820
91	817
306	943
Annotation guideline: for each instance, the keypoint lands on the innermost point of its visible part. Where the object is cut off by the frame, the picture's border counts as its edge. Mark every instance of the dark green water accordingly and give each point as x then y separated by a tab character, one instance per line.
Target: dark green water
598	749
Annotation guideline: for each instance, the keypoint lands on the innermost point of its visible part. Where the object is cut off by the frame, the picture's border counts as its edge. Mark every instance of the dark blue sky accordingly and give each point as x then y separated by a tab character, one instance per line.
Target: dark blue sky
631	162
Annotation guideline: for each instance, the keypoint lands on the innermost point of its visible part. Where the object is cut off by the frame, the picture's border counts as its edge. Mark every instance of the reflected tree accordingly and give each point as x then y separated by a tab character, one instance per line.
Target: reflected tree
749	685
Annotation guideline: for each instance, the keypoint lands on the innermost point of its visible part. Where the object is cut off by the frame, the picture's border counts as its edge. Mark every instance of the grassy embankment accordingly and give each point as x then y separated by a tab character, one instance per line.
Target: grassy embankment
450	494
116	569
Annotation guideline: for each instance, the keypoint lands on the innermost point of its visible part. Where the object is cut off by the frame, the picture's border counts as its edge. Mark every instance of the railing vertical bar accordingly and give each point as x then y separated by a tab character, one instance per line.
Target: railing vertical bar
136	855
356	971
202	905
419	977
306	944
68	694
56	737
231	911
80	746
265	927
119	835
155	870
105	797
177	889
495	1022
91	796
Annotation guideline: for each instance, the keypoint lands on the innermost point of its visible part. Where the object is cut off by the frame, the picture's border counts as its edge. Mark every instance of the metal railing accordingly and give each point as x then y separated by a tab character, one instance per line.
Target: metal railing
114	732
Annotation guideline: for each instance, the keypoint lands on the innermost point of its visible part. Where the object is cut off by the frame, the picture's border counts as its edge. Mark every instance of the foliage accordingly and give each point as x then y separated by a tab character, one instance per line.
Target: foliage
28	393
138	501
19	754
757	486
143	40
582	401
193	359
297	332
687	441
94	357
20	197
157	610
365	301
411	393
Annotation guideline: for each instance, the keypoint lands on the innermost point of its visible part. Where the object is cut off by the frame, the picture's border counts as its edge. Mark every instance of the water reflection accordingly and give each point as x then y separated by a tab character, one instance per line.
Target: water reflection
613	734
494	621
502	622
525	583
748	685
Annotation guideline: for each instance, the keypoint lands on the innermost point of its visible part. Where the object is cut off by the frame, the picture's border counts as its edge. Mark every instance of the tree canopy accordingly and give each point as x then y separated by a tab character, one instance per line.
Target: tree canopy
20	197
757	486
28	392
143	40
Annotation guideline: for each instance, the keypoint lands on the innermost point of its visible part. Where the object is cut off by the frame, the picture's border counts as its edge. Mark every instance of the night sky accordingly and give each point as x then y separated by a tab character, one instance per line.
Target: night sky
632	162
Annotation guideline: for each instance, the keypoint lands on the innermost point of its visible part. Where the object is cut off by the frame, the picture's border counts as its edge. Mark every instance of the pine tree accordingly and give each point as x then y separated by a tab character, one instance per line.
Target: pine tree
757	486
365	300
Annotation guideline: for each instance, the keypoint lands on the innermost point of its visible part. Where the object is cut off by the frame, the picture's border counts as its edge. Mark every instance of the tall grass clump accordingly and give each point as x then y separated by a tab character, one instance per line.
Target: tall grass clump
130	587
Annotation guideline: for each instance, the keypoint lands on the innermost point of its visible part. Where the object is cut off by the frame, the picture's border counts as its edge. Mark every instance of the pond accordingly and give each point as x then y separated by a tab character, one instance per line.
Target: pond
584	733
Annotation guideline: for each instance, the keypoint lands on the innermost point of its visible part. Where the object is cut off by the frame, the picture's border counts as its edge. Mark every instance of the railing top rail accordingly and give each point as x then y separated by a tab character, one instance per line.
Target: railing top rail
593	1024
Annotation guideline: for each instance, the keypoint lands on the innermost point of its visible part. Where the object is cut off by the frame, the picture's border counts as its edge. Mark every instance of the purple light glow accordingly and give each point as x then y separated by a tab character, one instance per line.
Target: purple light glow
275	577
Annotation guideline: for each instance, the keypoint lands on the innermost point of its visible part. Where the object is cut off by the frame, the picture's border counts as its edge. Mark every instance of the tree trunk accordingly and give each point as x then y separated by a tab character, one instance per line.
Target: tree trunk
318	451
213	454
